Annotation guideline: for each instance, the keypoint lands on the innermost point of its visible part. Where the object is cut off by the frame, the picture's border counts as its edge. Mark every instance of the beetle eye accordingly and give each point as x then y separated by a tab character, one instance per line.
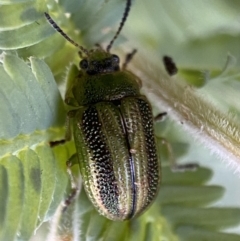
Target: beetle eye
83	64
115	59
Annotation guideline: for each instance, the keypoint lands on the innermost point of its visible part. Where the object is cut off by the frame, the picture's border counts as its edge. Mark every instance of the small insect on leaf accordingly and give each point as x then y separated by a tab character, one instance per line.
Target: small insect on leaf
112	125
170	66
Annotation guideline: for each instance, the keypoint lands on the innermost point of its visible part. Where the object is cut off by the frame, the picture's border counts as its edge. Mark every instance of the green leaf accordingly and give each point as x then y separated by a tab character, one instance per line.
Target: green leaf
30	34
13	197
32	181
189	178
31	95
34	191
189	233
20	14
208	218
33	176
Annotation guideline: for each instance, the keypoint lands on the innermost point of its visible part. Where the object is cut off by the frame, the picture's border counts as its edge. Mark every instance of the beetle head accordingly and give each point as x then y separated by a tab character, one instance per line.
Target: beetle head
99	61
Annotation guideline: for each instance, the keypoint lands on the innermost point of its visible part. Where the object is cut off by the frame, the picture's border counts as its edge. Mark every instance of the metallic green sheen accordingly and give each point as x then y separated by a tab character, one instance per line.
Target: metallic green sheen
88	89
115	143
107	87
120	173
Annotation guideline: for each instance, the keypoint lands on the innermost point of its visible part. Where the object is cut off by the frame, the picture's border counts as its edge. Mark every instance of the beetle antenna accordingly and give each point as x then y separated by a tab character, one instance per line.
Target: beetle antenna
57	28
124	18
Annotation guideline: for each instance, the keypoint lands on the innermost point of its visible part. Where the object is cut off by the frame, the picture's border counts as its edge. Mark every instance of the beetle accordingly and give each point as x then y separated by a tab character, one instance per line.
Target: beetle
112	125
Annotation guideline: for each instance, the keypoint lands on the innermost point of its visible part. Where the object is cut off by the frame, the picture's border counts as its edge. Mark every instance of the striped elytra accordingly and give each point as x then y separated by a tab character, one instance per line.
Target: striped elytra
113	132
119	164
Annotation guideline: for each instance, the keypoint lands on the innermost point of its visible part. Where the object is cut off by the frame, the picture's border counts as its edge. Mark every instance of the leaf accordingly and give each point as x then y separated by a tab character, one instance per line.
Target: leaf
32	97
33	175
19	14
30	191
189	233
32	181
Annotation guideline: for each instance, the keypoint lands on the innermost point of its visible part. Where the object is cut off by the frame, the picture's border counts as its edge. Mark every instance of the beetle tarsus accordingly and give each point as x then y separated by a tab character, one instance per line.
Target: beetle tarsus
185	167
56	143
74	185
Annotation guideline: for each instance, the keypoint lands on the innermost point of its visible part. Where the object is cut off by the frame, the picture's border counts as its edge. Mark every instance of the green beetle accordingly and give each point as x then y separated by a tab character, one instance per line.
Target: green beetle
113	133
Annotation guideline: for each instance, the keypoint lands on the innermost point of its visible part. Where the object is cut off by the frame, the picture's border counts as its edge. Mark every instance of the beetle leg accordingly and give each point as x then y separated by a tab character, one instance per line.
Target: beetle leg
68	134
174	166
128	58
75	187
71	78
71	101
56	143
